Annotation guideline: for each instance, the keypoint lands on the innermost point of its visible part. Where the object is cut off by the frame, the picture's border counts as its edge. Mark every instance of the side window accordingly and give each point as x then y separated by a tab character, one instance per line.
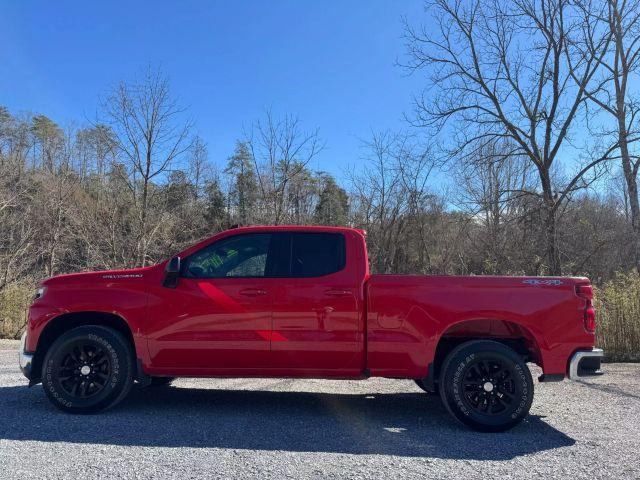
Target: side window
316	254
238	256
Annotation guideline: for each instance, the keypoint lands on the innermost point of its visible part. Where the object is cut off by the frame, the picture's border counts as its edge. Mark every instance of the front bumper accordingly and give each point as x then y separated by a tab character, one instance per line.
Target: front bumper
25	359
585	363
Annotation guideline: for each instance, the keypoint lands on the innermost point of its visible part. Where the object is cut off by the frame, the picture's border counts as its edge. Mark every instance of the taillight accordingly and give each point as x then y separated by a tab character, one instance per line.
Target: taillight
586	292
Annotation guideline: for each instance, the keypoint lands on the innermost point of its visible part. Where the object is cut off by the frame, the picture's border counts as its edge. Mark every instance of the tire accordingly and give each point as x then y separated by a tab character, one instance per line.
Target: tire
161	381
486	386
75	382
423	386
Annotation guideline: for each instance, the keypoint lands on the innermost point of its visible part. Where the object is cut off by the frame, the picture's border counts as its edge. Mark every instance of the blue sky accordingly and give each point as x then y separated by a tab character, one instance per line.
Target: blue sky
332	63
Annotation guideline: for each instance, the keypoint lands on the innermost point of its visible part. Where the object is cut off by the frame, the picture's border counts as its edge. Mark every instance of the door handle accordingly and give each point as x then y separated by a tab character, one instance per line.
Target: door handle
253	292
337	292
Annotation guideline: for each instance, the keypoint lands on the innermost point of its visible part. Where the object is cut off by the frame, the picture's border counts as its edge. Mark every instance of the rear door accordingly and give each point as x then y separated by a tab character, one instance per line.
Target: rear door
317	326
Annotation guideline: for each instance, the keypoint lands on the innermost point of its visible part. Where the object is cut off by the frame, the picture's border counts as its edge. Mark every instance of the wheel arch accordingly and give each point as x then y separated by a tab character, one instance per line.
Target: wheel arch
68	321
512	334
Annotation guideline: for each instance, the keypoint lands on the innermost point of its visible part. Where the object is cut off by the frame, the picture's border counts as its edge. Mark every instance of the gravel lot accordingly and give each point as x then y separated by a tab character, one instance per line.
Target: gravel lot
316	429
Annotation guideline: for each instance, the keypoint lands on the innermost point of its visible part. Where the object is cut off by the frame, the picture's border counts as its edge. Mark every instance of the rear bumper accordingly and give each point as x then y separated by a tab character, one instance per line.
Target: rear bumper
25	359
585	363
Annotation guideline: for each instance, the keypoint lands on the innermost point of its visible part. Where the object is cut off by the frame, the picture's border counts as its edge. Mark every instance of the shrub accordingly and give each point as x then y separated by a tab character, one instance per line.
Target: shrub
14	303
618	314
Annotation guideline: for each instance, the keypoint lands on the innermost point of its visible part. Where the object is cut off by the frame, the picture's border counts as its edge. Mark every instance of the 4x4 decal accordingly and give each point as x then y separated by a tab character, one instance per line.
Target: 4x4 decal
537	281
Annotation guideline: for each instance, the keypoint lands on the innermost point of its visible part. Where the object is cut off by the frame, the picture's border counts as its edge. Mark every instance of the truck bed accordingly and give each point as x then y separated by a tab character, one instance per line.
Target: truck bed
407	312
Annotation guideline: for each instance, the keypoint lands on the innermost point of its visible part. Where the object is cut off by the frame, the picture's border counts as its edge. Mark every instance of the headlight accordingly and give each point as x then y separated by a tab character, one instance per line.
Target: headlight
40	293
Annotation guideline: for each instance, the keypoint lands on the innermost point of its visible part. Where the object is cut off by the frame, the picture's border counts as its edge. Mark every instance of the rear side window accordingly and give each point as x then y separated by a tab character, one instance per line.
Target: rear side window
316	254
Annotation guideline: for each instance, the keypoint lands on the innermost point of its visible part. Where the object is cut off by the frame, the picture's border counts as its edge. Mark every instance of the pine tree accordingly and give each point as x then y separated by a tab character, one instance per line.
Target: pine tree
215	215
244	190
49	137
333	205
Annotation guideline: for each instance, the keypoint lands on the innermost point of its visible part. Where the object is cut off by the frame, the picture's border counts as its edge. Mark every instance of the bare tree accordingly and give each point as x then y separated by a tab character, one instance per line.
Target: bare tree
150	134
56	199
18	235
392	202
95	149
614	94
510	70
281	150
199	167
490	183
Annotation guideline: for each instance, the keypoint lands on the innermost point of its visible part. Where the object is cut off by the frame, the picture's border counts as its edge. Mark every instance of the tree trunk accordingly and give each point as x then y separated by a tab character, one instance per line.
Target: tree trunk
553	257
621	72
551	232
632	188
142	240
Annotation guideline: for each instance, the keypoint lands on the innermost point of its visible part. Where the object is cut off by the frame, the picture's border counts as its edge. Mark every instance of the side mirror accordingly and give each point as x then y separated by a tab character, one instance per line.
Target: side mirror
172	273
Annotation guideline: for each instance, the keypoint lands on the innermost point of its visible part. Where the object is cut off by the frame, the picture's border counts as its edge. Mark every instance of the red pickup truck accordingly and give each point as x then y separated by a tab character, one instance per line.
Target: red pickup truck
291	301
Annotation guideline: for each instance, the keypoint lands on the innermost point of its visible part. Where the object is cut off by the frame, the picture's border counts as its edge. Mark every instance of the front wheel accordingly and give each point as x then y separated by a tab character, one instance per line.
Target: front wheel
88	369
161	381
486	386
423	386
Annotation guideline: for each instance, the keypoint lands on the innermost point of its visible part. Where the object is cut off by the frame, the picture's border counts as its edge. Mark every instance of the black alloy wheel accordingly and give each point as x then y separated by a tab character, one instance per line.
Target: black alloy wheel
88	369
486	386
85	368
489	386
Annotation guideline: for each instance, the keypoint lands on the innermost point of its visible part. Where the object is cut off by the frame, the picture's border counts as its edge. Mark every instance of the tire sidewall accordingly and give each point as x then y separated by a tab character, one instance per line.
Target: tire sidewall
423	386
119	355
451	385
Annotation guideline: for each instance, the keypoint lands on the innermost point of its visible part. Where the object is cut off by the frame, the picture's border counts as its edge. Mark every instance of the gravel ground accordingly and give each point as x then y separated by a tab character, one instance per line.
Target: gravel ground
317	429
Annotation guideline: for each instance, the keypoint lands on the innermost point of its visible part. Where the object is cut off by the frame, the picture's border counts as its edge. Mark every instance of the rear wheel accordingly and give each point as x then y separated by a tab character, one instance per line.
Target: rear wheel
486	386
88	369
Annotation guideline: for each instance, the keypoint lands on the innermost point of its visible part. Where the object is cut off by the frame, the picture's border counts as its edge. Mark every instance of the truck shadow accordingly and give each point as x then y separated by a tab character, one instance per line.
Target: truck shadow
612	389
403	424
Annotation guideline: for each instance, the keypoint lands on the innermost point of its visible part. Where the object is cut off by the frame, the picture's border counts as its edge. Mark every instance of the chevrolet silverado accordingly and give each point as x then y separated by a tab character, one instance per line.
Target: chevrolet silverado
300	302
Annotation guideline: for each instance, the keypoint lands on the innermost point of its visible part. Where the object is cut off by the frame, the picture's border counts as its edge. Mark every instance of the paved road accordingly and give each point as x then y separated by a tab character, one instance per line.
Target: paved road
317	429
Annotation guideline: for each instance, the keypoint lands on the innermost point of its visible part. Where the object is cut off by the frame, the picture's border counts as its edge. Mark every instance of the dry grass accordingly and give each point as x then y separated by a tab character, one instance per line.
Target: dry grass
14	302
618	314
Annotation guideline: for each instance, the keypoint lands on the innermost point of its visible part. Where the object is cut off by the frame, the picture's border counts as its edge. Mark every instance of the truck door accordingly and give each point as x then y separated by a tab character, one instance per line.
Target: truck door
317	325
219	315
